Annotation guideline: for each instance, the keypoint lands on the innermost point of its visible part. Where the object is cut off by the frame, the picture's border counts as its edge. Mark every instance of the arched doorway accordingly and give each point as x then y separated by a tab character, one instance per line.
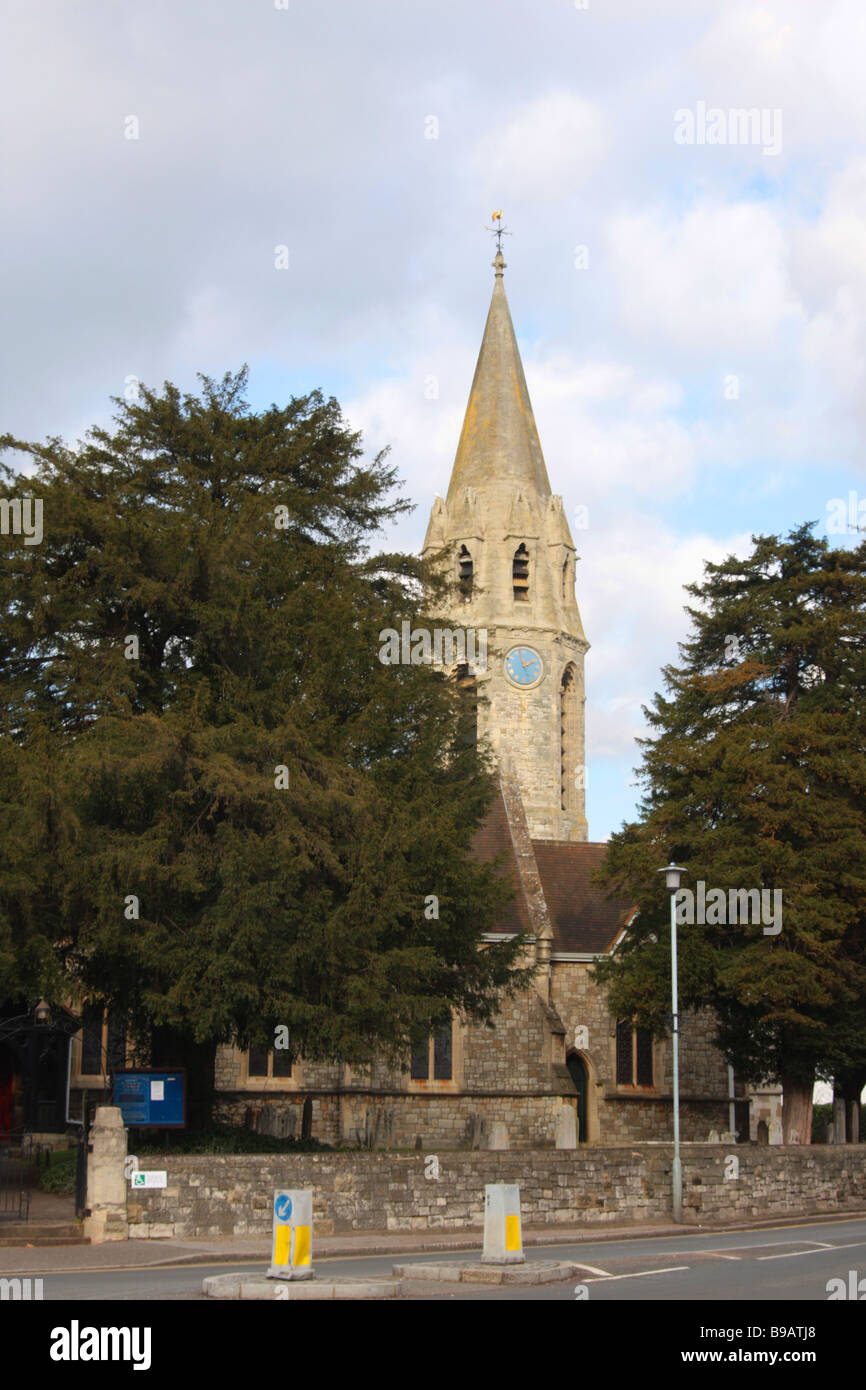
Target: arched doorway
580	1076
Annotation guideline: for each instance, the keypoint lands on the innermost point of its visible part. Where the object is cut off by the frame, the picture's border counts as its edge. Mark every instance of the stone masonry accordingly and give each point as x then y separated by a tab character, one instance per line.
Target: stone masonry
217	1196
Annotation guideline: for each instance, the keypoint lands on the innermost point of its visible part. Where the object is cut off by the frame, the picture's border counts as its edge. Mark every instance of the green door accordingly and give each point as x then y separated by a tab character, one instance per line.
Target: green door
577	1071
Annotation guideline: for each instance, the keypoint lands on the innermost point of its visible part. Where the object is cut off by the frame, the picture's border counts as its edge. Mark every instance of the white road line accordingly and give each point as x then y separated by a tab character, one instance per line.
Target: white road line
592	1269
770	1244
792	1255
641	1274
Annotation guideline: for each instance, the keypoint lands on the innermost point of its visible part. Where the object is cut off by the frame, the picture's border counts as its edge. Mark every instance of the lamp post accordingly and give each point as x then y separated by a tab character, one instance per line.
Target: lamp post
673	874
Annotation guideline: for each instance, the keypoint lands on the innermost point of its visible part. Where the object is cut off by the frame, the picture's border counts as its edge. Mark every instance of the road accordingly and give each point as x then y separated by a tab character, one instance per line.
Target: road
789	1263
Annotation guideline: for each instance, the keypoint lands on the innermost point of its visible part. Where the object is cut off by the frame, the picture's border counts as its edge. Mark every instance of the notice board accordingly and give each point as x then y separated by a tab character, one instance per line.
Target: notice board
155	1099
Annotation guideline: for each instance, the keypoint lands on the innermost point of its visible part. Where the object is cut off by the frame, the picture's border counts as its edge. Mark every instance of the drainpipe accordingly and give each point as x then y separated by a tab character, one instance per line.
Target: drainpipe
731	1108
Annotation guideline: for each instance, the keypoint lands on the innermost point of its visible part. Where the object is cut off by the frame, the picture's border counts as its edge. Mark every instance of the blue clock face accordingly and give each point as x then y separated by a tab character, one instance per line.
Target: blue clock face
523	666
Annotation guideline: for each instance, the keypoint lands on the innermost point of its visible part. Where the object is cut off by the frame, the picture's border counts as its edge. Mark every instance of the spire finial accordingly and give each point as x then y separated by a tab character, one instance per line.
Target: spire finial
499	263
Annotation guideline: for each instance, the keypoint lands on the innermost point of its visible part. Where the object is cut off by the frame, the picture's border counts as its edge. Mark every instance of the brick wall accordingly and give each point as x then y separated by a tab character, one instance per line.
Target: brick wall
217	1195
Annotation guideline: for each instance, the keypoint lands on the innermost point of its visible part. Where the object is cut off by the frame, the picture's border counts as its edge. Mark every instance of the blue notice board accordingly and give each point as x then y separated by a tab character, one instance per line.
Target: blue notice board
155	1098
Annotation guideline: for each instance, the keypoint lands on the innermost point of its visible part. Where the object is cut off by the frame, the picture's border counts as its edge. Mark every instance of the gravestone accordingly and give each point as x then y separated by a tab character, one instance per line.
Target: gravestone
498	1136
566	1128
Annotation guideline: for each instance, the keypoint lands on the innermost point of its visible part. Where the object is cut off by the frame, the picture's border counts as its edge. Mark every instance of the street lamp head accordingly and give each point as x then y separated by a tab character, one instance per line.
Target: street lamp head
673	873
42	1013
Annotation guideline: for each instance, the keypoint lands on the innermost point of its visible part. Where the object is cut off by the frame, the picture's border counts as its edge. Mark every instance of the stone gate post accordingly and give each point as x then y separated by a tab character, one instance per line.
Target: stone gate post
106	1183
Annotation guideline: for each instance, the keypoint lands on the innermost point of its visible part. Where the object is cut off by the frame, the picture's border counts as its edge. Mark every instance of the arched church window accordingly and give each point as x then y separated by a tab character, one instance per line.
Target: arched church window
520	573
466	573
569	747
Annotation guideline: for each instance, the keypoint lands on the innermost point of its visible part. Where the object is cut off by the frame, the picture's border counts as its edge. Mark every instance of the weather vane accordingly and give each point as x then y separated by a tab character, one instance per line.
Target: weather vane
500	231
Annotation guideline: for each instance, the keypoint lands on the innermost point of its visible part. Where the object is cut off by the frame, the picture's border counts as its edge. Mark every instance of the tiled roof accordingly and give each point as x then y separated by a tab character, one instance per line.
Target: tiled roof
492	838
583	919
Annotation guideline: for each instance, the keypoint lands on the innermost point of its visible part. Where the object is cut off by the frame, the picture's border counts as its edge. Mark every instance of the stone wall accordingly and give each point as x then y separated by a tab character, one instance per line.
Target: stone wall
217	1195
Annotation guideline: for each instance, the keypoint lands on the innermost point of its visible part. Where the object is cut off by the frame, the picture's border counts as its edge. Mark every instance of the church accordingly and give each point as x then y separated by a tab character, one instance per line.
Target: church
555	1048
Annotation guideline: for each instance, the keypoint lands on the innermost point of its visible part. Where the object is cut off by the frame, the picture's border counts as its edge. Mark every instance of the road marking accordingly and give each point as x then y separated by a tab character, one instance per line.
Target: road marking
792	1255
592	1269
641	1274
771	1245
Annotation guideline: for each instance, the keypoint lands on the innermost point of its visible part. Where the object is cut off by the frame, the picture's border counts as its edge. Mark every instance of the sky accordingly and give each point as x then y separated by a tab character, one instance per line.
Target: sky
194	184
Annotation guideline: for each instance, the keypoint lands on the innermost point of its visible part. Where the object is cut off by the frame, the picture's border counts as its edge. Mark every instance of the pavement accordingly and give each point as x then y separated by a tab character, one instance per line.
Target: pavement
140	1254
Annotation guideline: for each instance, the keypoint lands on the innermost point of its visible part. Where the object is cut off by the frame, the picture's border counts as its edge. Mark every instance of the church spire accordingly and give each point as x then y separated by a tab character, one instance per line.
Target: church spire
499	443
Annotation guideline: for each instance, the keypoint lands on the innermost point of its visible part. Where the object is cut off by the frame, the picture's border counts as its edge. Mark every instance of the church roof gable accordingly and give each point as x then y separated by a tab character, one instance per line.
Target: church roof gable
584	921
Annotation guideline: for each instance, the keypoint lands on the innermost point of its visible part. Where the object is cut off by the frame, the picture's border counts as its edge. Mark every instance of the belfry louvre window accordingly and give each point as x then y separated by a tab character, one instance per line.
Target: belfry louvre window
520	573
634	1056
466	573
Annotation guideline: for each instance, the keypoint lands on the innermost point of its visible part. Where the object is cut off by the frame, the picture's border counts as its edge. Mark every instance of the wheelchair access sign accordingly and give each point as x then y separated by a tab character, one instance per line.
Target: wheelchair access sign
154	1178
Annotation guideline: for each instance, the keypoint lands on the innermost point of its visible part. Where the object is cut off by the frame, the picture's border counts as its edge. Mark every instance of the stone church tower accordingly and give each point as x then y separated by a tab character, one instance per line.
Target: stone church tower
506	540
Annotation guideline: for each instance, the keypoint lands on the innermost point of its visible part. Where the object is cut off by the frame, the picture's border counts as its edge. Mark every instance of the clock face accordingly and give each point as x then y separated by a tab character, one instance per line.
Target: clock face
523	666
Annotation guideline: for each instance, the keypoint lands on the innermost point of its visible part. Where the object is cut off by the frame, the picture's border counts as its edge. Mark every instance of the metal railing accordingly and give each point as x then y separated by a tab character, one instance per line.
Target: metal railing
15	1166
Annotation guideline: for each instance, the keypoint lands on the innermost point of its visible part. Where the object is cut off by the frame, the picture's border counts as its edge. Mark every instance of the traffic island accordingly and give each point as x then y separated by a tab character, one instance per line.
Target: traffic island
502	1260
466	1272
258	1287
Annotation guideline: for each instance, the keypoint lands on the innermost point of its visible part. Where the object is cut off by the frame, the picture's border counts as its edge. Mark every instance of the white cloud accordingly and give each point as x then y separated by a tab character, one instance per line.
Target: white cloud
714	278
543	152
831	264
631	595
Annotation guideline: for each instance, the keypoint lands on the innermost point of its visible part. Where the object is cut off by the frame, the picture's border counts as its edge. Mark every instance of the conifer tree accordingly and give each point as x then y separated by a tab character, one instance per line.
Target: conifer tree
755	778
231	816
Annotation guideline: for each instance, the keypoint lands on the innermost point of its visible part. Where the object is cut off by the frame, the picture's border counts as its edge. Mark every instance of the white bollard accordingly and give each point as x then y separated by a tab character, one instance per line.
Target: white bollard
503	1242
292	1245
